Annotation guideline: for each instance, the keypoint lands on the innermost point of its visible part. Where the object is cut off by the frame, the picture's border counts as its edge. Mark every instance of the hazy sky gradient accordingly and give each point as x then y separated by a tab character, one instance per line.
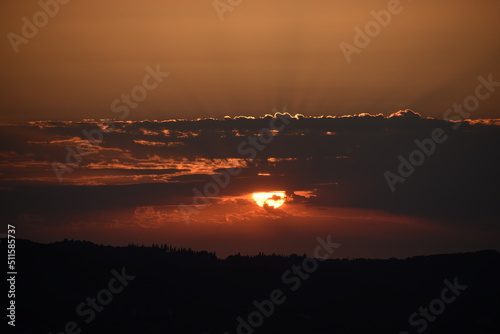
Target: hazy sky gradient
265	54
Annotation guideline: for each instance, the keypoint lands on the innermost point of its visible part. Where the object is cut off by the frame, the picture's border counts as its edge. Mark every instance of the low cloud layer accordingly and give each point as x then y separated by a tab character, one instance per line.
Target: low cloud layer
136	177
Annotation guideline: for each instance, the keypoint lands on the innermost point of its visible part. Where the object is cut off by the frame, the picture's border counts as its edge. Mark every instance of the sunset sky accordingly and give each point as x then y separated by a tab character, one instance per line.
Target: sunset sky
197	183
264	54
168	72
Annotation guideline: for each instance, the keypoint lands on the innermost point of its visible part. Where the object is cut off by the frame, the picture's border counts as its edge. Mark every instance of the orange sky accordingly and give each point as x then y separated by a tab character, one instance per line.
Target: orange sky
231	227
265	54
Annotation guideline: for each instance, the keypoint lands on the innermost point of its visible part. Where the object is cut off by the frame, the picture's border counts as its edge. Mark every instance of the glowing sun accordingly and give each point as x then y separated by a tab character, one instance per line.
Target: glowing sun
274	199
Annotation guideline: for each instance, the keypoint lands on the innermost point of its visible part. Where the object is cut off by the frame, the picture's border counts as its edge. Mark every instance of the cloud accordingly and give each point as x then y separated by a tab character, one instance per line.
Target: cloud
488	122
406	114
344	168
276	211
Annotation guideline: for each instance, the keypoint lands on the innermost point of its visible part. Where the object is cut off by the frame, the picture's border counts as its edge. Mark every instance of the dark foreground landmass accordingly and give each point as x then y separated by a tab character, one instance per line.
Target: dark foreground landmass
80	287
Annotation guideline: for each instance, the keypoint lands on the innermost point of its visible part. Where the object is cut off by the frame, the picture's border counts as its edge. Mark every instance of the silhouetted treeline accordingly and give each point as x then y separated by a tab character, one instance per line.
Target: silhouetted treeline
176	290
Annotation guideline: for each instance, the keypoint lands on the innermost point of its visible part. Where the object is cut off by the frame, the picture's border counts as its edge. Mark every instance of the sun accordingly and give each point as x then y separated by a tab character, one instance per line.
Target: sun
273	199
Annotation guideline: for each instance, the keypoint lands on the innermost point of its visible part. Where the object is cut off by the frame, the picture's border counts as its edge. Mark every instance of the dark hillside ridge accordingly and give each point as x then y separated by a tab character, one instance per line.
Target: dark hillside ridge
183	291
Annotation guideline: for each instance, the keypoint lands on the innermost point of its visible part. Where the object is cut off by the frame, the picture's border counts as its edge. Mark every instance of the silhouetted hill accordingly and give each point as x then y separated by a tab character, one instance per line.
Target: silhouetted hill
183	291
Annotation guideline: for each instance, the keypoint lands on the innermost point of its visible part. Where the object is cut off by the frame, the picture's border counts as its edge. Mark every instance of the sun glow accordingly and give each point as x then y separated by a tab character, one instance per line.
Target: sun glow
273	199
